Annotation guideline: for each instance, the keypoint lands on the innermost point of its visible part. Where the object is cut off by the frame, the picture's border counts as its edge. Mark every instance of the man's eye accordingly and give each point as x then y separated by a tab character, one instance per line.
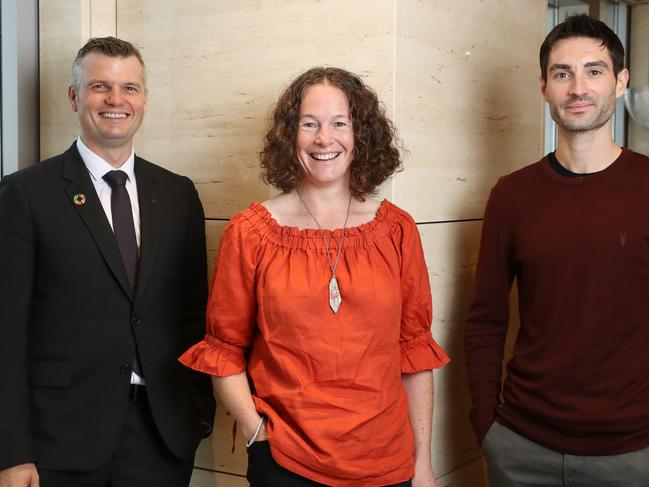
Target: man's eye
595	72
98	86
561	76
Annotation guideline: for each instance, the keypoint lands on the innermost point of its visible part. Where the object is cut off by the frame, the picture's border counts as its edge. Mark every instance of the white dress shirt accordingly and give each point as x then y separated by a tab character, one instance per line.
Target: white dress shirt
98	167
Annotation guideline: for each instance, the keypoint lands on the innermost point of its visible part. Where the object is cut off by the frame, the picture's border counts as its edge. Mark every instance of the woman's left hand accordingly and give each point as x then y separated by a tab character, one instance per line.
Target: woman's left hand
424	477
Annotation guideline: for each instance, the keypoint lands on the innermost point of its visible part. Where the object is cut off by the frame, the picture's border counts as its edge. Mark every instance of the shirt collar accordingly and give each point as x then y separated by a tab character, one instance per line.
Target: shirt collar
98	167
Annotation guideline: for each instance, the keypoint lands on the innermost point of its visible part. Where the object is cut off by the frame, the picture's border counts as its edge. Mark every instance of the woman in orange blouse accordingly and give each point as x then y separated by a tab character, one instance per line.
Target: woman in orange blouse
319	318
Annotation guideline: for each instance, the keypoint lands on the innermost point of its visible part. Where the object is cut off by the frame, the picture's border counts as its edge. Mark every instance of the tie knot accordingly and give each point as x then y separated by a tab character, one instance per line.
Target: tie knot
115	178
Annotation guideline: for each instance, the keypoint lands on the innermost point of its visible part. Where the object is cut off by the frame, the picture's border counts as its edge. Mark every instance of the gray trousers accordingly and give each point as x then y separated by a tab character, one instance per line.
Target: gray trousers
515	461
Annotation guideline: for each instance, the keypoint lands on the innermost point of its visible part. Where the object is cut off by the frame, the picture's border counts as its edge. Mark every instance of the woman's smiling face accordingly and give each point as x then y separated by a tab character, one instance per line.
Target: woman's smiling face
325	136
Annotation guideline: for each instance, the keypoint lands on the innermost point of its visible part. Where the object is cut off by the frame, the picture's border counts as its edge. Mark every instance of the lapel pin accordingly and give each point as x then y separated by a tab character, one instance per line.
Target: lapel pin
79	199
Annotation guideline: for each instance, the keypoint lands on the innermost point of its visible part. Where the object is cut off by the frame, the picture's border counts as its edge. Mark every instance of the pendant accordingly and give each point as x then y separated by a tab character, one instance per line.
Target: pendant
334	295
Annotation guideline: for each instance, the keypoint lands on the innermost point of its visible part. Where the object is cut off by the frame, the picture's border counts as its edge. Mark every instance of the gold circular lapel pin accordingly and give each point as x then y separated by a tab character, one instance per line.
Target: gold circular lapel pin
79	199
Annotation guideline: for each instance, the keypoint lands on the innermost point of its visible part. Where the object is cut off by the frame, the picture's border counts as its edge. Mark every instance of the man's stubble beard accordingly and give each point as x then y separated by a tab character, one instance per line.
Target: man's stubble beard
603	115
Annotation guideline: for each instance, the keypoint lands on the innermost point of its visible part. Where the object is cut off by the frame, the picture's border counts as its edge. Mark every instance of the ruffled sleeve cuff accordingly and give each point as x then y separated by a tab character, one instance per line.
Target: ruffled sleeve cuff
422	353
214	357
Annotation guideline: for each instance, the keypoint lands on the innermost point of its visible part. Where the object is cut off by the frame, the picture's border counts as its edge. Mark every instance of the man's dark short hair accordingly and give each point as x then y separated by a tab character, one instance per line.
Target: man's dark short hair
108	46
583	26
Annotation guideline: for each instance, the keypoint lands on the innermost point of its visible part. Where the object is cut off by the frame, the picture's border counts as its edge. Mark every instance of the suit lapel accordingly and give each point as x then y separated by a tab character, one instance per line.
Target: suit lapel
150	221
82	195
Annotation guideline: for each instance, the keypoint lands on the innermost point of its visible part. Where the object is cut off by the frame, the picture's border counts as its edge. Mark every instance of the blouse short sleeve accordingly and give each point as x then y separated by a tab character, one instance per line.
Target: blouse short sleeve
232	305
419	351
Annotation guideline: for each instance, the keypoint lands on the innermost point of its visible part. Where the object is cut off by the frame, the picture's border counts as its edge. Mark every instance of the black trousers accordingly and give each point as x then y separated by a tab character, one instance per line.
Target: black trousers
263	471
140	459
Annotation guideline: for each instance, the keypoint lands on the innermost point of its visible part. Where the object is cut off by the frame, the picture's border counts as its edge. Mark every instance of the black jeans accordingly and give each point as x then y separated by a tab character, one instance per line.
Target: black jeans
263	471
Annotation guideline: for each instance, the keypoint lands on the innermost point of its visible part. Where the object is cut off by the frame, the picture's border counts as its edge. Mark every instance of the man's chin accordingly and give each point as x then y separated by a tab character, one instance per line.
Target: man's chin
581	125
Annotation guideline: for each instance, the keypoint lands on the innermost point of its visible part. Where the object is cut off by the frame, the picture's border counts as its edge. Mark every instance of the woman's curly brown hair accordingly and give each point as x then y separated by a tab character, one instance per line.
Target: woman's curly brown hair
375	156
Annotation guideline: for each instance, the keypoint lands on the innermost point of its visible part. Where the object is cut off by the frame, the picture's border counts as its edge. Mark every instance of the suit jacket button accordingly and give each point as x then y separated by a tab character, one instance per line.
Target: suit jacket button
124	368
137	321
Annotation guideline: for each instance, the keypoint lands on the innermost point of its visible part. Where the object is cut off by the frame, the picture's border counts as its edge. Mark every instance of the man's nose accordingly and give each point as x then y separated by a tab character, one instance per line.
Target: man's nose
114	96
578	86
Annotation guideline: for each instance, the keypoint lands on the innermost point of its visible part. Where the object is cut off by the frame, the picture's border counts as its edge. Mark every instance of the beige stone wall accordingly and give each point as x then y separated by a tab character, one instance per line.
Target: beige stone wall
458	78
638	137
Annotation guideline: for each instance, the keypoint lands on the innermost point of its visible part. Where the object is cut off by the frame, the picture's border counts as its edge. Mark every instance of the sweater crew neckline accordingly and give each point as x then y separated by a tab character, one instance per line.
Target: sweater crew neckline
616	166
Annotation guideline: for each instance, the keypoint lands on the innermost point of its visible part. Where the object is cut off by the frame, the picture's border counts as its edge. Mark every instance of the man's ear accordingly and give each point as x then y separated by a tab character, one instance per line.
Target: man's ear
622	82
73	97
543	88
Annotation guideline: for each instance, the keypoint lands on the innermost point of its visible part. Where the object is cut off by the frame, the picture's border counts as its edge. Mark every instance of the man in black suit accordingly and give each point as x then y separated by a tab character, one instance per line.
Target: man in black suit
102	287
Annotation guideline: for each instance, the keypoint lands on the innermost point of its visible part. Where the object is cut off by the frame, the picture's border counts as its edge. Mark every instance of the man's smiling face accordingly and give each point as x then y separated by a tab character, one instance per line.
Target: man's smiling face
581	88
110	101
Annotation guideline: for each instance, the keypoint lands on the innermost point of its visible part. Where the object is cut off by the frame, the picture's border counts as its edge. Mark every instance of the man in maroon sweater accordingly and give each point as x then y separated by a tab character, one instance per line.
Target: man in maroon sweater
573	229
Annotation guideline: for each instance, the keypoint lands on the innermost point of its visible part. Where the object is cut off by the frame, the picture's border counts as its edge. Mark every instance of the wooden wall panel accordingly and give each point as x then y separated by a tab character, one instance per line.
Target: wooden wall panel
216	67
468	103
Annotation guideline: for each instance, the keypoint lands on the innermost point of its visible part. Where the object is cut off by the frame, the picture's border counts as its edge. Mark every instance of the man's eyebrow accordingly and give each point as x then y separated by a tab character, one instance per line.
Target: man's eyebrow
557	66
593	64
568	67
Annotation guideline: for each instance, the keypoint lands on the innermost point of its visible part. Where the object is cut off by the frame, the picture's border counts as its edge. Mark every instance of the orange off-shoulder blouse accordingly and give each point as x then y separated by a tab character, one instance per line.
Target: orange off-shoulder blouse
329	384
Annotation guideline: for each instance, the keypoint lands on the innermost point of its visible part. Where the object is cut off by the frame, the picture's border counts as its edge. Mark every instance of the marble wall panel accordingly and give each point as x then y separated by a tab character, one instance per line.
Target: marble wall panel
215	452
638	137
473	474
467	100
65	25
103	18
451	251
59	40
205	478
213	231
216	67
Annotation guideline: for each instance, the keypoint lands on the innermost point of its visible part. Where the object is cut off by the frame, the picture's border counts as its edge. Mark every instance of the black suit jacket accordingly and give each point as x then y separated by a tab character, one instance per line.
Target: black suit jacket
69	322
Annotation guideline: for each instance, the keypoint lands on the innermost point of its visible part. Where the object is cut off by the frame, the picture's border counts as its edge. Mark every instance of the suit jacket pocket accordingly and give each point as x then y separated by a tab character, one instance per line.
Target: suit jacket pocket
50	374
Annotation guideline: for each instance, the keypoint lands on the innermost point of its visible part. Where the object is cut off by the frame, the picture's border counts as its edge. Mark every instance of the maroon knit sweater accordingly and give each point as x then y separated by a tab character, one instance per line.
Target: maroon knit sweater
578	382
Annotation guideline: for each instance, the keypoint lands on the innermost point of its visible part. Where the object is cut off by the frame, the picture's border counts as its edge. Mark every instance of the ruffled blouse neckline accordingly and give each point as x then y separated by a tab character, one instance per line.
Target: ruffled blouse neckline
382	213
